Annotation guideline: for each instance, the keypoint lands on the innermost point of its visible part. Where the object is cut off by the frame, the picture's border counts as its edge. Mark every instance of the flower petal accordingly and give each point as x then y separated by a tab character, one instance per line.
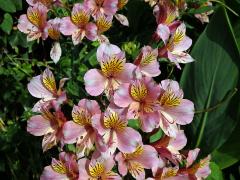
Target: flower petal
72	131
121	96
56	52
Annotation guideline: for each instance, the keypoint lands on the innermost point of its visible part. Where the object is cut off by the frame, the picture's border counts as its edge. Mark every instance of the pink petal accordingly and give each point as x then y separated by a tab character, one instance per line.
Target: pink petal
91	105
149	121
127	74
122	19
163	32
122	166
184	45
149	158
192	156
179	142
182	57
72	131
91	31
182	114
94	82
56	52
151	70
49	140
97	124
121	96
67	28
36	88
126	144
49	173
38	126
107	49
110	7
83	165
171	84
24	25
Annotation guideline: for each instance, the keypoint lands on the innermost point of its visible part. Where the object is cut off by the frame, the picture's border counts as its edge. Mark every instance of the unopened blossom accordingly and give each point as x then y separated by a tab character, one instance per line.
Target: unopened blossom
114	71
144	157
176	46
34	23
102	7
97	168
64	168
147	63
173	108
47	3
78	25
140	97
44	87
49	125
166	14
54	33
81	130
113	128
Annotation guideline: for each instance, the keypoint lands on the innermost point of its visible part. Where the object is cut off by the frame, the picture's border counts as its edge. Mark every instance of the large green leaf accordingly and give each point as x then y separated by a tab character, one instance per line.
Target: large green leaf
216	173
210	82
7	6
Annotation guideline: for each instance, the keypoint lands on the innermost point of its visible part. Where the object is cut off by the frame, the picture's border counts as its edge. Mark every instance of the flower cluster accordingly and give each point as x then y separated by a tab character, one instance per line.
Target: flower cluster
89	19
107	146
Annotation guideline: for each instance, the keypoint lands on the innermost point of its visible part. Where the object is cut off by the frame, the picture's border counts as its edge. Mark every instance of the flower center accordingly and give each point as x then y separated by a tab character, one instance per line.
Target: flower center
138	91
34	16
170	99
114	122
80	18
59	167
96	170
112	67
81	117
103	24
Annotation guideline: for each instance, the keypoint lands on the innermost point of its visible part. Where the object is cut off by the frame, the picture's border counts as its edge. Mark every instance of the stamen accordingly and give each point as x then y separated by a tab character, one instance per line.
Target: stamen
138	91
112	67
96	170
113	121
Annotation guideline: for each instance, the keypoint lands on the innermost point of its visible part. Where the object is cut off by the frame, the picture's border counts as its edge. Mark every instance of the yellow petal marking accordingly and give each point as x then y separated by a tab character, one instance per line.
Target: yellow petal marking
81	117
59	167
80	18
34	16
113	121
170	99
135	169
96	170
49	81
138	91
112	66
138	152
103	24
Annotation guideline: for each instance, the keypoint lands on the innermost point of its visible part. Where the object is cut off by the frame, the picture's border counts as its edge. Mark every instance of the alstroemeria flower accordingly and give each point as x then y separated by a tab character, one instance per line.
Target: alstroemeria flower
147	63
140	96
34	23
169	147
54	33
114	71
78	25
176	46
173	108
102	7
44	87
166	14
99	168
120	17
64	168
47	3
103	24
48	125
113	128
144	157
81	130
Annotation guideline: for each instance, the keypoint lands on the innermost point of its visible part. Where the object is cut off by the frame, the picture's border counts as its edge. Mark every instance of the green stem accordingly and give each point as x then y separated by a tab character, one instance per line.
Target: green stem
227	7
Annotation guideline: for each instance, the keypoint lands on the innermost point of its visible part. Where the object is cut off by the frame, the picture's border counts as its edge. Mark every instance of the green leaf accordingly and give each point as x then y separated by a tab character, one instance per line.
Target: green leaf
18	4
134	123
216	173
156	136
7	23
7	6
210	82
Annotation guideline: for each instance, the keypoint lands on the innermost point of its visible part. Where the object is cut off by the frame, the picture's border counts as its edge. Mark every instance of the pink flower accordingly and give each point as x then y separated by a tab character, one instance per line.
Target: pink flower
203	17
47	3
78	25
64	168
144	157
140	96
114	71
173	108
113	128
44	87
103	24
166	15
97	168
34	23
48	125
176	46
81	130
54	33
147	63
102	7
